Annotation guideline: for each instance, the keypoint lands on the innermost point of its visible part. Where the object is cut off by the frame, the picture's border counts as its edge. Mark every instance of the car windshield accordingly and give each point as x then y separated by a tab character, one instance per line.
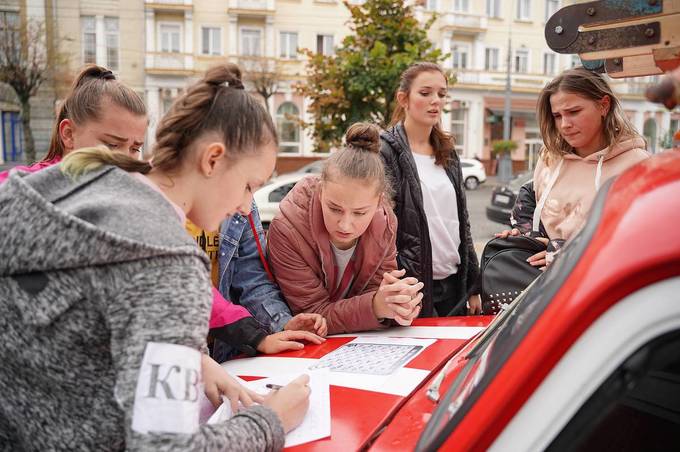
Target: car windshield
504	335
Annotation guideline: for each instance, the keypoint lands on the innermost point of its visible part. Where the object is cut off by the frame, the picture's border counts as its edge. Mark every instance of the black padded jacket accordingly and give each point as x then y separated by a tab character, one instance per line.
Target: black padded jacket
414	250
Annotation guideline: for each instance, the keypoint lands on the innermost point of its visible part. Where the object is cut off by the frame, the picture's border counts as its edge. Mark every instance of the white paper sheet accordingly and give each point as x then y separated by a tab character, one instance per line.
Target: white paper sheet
317	421
267	366
433	332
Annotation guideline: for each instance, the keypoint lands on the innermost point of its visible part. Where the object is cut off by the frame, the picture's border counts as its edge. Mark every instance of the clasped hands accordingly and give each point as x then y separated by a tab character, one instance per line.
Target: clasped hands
398	298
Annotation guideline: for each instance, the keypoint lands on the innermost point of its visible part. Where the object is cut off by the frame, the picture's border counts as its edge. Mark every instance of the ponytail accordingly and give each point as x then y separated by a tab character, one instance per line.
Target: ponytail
216	103
85	160
359	158
83	103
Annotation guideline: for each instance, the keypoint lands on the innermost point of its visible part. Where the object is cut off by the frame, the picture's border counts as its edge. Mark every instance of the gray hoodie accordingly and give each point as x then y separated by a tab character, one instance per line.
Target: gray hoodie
105	302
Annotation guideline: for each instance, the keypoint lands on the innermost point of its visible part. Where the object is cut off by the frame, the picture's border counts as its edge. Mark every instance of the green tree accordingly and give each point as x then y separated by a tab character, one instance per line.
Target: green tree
359	82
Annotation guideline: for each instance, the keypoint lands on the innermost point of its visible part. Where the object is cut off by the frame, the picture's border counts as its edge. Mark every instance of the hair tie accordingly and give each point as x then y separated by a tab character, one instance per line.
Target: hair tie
107	75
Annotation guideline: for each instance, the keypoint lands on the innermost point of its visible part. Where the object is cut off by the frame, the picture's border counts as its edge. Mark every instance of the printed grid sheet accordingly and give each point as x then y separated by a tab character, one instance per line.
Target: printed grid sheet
367	358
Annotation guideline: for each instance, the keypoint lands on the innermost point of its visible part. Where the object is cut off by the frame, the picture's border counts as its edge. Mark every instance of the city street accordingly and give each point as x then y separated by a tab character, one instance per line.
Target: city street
482	228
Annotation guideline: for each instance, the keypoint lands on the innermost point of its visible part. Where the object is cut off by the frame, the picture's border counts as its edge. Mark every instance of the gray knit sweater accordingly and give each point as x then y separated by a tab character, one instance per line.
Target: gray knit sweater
105	302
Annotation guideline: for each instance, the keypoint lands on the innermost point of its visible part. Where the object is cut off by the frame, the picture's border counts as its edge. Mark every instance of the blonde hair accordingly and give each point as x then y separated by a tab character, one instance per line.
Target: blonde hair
442	142
359	158
84	160
592	86
217	103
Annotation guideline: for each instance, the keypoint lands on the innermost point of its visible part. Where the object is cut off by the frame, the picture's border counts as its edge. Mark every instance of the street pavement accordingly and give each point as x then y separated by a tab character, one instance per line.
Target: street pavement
482	228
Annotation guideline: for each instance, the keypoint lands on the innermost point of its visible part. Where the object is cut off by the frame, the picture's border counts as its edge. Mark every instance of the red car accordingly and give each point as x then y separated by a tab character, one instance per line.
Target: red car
588	357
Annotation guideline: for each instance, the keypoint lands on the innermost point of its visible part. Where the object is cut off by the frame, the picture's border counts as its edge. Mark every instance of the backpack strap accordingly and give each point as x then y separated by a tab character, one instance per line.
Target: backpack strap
259	247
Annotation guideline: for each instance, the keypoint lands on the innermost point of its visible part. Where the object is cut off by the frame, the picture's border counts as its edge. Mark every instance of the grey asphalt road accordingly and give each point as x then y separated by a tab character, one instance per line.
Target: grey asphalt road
482	228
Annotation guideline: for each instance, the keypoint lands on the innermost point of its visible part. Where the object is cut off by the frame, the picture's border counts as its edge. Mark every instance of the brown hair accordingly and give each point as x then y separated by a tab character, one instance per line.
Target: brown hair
359	158
442	142
590	85
83	103
217	103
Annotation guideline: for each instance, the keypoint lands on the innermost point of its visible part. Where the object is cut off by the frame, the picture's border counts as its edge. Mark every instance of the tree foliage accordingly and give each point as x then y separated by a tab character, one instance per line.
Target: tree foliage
359	82
263	74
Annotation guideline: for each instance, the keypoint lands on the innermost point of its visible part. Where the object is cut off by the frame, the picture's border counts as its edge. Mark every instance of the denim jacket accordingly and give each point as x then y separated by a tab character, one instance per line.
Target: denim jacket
243	279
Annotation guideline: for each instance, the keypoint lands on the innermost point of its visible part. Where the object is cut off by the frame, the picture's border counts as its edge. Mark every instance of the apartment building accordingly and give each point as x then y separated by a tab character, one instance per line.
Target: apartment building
159	46
479	35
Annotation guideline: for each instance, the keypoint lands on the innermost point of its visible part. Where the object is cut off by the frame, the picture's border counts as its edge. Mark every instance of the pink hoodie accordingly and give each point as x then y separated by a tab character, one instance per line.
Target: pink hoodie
568	204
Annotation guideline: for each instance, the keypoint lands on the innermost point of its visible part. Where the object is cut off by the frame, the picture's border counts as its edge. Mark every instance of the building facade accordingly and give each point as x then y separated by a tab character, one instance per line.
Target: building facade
159	46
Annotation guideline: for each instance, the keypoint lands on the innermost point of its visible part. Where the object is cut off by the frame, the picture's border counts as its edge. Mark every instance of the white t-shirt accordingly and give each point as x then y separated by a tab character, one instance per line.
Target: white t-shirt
342	258
441	210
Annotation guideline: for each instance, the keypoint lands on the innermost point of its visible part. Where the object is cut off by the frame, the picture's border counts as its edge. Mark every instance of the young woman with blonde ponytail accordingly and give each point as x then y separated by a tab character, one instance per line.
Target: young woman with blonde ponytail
106	299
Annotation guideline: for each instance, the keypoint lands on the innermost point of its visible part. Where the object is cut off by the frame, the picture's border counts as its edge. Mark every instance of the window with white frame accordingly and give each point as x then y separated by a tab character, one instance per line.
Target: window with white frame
460	55
324	44
251	42
289	45
287	124
9	33
431	5
462	6
551	7
549	67
111	38
211	41
523	10
458	119
171	37
522	61
491	57
89	26
493	8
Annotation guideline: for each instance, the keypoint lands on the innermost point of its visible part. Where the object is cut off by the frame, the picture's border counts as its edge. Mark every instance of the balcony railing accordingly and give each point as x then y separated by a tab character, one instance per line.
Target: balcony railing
165	61
464	22
171	2
253	5
497	78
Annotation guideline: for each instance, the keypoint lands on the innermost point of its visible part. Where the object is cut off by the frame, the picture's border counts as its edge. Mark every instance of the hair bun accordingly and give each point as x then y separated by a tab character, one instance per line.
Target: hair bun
227	74
363	136
92	72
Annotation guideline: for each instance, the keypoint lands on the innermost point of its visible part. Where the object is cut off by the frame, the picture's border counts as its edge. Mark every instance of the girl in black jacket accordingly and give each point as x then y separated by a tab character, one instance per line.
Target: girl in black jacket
433	238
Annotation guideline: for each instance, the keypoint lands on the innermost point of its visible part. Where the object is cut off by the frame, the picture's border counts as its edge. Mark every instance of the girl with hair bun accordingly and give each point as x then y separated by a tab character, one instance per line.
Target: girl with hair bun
332	248
106	299
98	110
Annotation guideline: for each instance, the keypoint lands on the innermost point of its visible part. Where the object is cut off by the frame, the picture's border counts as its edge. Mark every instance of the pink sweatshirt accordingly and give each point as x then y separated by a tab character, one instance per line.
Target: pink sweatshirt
568	204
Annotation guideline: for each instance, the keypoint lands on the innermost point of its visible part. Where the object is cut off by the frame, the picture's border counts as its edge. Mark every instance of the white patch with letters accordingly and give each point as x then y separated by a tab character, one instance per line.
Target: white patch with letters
168	390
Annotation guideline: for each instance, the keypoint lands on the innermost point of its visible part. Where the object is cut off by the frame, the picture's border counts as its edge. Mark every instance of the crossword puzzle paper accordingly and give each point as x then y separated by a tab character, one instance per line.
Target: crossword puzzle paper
373	356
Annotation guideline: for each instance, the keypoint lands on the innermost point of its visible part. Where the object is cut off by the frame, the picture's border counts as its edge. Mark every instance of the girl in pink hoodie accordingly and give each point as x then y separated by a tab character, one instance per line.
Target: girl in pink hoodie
587	140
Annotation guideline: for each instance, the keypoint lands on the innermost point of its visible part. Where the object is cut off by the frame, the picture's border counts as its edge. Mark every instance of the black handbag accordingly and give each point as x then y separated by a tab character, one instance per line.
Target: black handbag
505	272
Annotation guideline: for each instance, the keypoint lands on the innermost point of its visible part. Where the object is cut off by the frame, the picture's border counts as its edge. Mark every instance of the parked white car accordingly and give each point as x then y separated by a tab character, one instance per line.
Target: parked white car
268	197
473	173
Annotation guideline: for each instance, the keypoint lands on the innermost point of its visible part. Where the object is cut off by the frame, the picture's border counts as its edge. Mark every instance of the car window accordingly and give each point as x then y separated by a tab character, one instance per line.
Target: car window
636	408
465	164
279	193
504	335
